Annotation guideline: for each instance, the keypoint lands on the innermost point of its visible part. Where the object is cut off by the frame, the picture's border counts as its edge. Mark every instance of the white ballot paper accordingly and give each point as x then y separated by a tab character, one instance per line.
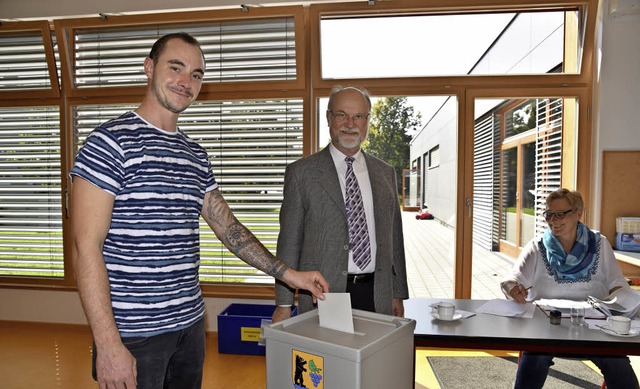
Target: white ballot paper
335	312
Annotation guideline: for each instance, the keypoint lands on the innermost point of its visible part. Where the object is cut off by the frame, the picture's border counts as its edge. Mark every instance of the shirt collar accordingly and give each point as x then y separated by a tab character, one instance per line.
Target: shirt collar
338	156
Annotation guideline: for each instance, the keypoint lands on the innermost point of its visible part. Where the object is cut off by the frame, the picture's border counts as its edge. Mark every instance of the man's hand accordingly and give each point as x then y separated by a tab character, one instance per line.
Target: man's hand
280	314
116	368
398	307
312	281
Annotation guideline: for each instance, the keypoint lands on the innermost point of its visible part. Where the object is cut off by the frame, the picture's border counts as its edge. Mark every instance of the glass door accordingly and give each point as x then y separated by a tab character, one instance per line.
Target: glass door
518	159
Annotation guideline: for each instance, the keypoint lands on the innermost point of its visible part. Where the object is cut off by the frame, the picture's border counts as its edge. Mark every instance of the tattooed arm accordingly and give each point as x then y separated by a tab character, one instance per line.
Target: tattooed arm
240	241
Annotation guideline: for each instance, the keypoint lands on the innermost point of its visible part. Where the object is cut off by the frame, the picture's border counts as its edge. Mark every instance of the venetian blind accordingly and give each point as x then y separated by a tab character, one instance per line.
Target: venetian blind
548	154
30	193
483	181
247	50
23	62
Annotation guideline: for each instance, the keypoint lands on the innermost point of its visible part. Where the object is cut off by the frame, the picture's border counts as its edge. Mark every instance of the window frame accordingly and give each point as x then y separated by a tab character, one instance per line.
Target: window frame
43	28
467	88
310	87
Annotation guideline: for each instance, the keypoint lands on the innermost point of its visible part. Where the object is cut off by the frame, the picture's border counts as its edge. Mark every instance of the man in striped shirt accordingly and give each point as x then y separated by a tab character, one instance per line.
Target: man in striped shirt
139	187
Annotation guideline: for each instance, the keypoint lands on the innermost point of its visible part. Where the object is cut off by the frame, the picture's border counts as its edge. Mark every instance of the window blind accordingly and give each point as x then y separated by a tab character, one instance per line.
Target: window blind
235	51
30	193
23	62
250	143
548	155
483	181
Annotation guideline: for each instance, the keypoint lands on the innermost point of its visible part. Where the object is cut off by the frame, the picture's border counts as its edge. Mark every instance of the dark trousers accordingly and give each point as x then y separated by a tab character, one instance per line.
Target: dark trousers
171	361
362	295
534	368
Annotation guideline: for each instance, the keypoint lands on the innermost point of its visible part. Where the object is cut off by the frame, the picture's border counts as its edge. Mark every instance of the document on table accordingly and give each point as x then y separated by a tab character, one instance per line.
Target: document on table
335	312
508	308
564	306
623	301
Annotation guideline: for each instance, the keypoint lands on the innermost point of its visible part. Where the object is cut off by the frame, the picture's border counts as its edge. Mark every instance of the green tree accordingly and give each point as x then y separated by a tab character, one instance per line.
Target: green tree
388	139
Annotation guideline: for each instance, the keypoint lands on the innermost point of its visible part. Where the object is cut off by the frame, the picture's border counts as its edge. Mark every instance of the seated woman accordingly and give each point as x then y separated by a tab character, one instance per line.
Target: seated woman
568	262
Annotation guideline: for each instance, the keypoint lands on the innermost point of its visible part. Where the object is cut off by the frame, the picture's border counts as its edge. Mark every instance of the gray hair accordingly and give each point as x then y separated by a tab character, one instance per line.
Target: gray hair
339	88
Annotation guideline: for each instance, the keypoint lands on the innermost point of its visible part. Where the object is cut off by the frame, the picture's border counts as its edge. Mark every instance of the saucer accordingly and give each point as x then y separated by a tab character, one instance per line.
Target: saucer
632	332
455	317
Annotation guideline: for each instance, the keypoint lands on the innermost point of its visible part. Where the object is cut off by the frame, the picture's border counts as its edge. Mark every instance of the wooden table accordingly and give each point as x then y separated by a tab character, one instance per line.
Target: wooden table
490	332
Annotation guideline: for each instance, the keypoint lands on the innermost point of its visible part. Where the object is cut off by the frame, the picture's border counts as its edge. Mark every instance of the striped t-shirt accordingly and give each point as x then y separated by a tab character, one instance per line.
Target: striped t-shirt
152	250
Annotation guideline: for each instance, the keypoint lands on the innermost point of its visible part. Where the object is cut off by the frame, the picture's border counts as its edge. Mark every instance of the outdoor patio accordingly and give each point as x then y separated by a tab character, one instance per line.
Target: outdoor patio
430	261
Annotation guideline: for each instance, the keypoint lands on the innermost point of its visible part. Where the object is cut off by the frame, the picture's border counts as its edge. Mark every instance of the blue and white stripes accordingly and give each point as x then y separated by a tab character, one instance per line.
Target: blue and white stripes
152	249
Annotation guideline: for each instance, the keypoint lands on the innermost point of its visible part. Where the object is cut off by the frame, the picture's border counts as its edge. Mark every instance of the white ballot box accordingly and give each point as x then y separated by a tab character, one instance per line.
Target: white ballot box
302	354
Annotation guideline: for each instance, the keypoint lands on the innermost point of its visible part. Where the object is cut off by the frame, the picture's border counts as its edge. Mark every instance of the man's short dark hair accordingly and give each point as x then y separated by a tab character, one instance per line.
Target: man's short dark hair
160	44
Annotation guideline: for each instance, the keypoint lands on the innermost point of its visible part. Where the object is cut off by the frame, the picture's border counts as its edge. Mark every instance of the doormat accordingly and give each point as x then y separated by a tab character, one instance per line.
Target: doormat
500	372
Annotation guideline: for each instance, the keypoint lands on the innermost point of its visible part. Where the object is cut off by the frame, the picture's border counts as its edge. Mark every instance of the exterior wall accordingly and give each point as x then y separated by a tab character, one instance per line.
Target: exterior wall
526	46
514	52
440	180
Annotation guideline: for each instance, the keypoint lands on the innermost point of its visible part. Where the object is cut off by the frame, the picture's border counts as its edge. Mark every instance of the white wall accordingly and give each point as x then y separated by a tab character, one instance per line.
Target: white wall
53	306
441	131
616	103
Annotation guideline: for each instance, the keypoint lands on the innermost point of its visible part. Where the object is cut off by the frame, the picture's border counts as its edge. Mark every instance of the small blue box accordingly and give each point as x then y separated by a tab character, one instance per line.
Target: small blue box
239	328
628	242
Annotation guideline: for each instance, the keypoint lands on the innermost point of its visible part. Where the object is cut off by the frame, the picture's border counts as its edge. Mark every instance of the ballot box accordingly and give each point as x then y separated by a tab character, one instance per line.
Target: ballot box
302	354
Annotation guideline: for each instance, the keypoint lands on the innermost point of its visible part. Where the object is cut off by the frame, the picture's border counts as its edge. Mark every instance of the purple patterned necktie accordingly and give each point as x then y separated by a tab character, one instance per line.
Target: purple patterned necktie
358	232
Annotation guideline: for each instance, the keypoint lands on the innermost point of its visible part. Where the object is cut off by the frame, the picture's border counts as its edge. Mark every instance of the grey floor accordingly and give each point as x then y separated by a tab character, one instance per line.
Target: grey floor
429	247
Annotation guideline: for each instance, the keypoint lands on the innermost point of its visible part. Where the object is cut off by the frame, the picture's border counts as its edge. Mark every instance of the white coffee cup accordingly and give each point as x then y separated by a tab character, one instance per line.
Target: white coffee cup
445	310
619	324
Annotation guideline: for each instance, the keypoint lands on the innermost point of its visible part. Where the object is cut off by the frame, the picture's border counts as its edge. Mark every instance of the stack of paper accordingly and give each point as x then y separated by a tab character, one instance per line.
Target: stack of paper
622	302
564	306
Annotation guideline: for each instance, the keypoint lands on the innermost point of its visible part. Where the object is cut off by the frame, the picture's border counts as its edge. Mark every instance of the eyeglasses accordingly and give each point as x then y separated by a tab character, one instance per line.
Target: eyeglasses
342	117
559	215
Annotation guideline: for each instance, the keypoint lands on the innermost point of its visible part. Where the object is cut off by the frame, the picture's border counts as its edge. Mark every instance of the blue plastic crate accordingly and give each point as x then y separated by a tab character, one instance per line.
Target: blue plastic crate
628	242
239	328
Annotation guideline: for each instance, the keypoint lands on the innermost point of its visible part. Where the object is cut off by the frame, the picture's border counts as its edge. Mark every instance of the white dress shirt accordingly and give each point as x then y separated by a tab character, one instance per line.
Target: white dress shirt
362	174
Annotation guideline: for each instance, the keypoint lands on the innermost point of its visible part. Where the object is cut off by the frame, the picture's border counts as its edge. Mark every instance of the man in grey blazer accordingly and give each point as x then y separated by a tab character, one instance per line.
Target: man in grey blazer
314	230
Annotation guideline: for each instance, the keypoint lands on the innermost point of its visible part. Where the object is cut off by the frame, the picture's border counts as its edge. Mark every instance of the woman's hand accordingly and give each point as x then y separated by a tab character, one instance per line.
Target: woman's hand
518	292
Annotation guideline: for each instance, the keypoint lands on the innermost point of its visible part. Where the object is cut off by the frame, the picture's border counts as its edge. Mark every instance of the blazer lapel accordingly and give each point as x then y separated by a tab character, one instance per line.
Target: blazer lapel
328	178
377	185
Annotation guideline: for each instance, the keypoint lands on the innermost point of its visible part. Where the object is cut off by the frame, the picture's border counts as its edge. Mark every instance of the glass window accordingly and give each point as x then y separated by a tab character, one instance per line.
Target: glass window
442	45
23	62
434	157
248	50
30	194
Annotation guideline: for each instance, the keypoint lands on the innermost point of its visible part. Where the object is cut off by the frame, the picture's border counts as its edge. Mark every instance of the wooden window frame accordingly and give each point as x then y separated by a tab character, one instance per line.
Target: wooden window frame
310	86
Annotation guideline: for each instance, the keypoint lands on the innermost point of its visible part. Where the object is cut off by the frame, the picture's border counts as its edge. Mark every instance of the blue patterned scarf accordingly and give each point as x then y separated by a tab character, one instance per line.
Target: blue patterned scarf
577	266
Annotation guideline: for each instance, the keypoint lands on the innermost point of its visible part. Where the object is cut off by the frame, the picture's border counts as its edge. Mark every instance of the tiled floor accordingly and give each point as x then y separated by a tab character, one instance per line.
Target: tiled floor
429	247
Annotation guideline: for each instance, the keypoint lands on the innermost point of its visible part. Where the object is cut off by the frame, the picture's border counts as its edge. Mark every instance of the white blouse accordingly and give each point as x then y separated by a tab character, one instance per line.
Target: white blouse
530	270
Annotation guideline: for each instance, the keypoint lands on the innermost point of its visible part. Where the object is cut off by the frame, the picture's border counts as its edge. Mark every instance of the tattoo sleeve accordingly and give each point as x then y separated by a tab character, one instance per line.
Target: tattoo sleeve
238	239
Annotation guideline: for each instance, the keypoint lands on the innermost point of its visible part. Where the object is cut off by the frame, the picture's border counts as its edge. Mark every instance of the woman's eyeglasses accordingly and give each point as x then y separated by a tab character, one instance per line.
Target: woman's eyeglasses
559	214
